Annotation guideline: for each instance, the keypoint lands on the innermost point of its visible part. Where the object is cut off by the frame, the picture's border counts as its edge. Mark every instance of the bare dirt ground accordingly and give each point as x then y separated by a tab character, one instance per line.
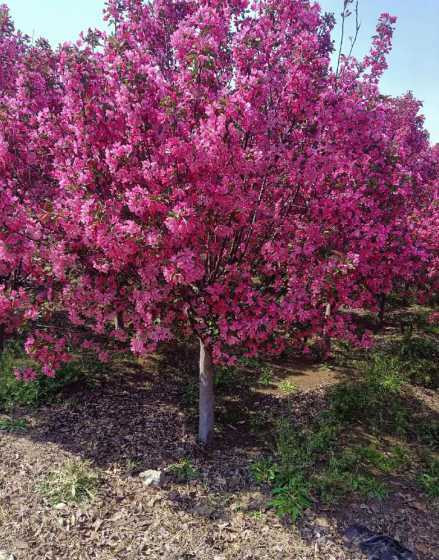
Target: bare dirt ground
138	421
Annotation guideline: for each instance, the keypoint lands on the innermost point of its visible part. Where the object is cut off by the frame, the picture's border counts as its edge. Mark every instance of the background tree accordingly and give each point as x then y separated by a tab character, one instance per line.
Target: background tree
27	94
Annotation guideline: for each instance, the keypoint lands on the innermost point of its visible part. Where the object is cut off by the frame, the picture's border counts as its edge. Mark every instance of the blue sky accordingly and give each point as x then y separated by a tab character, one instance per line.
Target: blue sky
414	63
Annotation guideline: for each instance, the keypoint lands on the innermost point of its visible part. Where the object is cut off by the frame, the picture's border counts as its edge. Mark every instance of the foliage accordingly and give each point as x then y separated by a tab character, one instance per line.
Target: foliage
18	392
13	424
429	479
287	387
74	482
291	499
266	376
183	471
418	357
427	431
312	463
374	398
217	189
325	461
264	470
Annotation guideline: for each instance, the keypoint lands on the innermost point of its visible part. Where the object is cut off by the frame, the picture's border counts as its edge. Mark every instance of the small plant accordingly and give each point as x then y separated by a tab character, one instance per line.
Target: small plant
266	377
419	357
13	425
322	438
369	486
429	479
183	471
75	482
385	462
133	465
264	470
287	387
384	372
344	475
292	499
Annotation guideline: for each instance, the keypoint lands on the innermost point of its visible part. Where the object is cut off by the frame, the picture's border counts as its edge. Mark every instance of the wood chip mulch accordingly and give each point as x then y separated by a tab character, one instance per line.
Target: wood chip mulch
127	426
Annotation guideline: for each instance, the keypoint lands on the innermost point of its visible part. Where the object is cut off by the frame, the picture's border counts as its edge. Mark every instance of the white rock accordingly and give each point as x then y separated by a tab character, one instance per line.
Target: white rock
6	555
151	478
60	505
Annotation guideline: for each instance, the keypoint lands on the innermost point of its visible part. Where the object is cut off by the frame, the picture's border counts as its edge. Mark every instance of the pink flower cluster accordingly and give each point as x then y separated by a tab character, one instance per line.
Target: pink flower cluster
202	171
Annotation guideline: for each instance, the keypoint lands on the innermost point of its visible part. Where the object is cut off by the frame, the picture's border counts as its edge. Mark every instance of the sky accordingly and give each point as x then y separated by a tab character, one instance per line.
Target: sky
413	64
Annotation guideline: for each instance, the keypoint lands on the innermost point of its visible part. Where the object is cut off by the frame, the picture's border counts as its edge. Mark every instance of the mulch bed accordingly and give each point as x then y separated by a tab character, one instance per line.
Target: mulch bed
130	424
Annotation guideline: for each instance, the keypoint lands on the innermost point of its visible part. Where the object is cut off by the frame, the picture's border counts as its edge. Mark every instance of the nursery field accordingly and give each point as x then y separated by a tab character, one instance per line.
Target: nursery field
302	450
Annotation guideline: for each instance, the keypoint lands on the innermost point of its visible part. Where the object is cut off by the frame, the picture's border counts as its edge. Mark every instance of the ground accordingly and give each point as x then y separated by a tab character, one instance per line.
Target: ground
141	416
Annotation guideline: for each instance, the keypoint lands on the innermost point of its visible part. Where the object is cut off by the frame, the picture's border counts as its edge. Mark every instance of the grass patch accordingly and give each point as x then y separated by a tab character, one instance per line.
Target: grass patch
312	464
429	478
264	470
336	455
13	425
374	399
418	357
75	483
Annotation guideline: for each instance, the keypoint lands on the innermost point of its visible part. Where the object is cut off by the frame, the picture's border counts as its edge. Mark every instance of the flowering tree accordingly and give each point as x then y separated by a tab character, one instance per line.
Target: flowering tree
212	177
26	93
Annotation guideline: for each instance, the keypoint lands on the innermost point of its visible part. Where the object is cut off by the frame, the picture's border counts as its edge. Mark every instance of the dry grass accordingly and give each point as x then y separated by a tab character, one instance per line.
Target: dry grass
74	483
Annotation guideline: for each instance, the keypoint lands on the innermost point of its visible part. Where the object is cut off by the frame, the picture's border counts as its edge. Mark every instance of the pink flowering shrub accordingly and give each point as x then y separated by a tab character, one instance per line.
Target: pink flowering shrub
27	96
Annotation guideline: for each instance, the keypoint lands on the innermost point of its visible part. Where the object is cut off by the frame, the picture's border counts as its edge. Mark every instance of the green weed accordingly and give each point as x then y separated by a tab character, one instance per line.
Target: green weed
264	471
13	425
369	486
75	482
375	399
287	387
429	479
183	471
266	377
251	363
292	498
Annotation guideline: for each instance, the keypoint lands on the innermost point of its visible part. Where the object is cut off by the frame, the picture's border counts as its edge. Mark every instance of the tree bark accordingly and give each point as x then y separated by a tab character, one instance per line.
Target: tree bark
207	396
326	337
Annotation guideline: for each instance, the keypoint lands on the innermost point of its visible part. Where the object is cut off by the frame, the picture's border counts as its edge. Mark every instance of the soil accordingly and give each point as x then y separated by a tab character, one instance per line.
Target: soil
137	420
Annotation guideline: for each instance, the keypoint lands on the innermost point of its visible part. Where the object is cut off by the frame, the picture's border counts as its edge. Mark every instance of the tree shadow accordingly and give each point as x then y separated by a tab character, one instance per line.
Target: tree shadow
136	417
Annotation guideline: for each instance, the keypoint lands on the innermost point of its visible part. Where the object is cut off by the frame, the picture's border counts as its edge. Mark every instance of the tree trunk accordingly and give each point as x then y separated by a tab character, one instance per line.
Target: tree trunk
326	337
207	397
